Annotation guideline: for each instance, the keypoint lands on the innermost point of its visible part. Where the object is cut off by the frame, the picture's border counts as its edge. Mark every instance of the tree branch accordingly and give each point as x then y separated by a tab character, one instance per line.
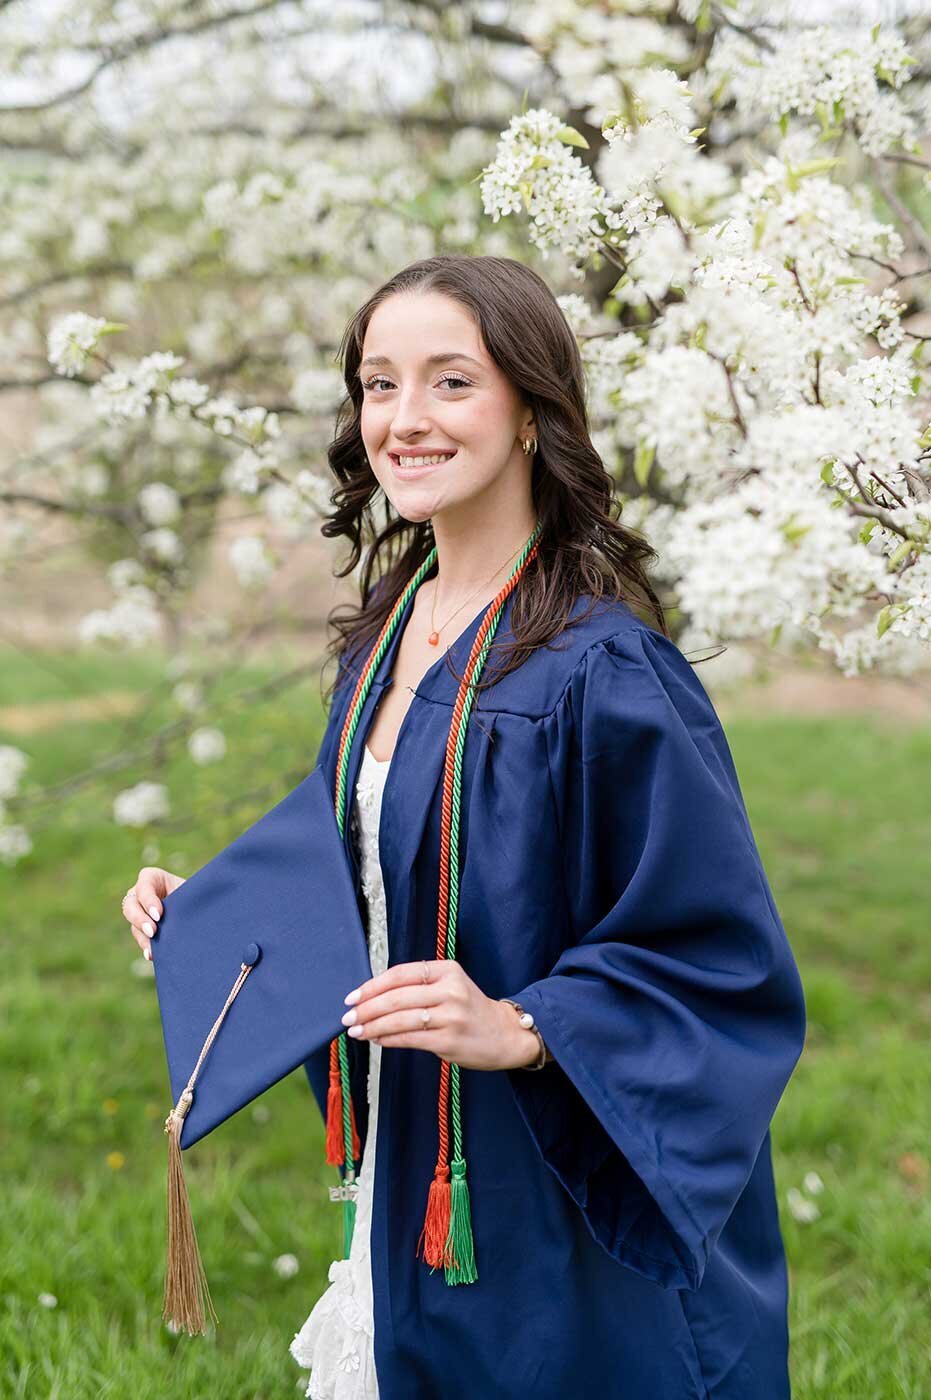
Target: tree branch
138	44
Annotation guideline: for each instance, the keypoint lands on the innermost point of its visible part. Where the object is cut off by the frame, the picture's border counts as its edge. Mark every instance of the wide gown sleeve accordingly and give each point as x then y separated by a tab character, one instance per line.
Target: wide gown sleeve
676	1015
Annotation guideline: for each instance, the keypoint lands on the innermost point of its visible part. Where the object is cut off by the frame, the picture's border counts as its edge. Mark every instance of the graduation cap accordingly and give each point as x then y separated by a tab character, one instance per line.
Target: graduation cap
253	957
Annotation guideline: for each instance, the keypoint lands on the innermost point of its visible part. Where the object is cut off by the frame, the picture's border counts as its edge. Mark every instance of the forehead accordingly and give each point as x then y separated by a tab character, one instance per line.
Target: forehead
422	329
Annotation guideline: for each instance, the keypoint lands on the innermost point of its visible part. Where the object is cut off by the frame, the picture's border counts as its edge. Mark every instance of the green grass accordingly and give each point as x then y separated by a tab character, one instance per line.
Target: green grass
841	814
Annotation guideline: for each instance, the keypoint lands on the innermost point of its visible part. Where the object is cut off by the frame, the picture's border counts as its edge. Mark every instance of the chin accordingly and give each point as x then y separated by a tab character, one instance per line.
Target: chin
410	511
422	502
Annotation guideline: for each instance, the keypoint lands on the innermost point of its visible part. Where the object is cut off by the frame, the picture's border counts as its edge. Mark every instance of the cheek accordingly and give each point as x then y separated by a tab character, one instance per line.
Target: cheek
372	421
473	421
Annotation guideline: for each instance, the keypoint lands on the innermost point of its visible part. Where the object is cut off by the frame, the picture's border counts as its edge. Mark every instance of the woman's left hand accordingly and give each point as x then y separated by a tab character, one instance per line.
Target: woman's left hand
465	1027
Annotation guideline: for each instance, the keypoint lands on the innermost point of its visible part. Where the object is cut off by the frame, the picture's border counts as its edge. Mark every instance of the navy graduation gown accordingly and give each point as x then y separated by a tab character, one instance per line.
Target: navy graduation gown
623	1207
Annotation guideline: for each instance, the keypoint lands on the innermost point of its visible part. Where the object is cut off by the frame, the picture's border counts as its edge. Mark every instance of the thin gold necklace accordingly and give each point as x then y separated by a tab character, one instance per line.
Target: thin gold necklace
434	637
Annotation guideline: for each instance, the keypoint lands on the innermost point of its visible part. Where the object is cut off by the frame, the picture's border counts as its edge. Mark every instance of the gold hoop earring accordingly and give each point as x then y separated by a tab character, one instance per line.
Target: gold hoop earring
526	445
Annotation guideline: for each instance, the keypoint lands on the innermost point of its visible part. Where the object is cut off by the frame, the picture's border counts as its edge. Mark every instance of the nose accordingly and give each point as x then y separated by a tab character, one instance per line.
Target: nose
410	419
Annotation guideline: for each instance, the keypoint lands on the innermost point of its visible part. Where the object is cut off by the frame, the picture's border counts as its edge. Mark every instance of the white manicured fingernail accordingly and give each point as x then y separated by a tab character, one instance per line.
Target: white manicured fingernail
146	954
148	929
154	912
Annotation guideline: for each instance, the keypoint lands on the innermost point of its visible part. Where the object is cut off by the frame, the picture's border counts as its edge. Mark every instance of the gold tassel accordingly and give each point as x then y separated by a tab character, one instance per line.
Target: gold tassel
186	1290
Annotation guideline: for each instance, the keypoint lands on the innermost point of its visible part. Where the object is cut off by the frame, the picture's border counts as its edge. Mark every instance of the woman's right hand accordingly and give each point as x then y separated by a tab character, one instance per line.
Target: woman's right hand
142	903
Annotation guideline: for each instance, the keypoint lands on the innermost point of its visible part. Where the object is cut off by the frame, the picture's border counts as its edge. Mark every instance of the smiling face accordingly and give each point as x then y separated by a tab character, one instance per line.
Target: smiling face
417	404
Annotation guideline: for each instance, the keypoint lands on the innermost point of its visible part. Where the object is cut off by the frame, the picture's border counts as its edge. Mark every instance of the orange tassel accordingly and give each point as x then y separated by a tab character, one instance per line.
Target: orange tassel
436	1221
335	1149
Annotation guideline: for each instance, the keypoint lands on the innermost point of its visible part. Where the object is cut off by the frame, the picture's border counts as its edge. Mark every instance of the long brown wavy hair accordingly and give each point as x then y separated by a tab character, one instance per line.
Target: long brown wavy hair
583	548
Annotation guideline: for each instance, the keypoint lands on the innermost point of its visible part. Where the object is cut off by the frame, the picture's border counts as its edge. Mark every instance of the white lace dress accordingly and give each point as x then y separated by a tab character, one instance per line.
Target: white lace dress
337	1341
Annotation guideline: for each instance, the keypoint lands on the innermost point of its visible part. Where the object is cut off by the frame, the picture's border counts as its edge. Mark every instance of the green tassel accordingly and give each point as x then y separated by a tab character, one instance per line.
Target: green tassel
349	1220
460	1228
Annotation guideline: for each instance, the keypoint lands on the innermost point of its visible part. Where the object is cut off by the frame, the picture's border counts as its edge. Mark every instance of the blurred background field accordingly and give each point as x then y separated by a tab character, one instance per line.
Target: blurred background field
838	803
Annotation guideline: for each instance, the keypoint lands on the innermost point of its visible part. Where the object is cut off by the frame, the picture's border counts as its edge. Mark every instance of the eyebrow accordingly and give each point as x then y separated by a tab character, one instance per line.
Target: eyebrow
442	358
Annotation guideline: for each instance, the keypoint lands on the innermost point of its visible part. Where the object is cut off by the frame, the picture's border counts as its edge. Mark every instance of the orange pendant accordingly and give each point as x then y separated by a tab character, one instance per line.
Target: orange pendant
434	639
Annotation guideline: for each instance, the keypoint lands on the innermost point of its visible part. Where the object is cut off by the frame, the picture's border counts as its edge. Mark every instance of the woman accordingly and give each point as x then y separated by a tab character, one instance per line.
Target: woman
591	1009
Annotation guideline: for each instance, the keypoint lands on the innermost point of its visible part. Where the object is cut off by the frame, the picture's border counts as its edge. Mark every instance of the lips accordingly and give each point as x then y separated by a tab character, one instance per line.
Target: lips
409	473
396	457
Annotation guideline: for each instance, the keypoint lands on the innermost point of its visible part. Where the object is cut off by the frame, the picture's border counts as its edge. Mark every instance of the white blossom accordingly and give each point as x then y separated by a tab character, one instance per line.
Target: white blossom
92	479
159	503
244	473
206	745
124	574
801	1208
189	695
133	619
533	166
15	843
579	313
71	340
13	764
163	544
317	390
251	561
138	806
832	75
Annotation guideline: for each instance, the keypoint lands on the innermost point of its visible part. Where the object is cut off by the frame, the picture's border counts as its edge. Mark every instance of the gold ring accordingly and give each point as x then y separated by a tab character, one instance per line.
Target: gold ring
426	976
425	1017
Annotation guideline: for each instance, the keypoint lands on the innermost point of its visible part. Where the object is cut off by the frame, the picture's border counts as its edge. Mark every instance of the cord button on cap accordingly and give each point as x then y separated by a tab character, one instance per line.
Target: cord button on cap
251	954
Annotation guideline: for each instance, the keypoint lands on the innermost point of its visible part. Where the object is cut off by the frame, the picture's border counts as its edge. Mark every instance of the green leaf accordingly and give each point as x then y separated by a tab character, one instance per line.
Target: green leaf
884	620
697	338
815	167
643	461
900	554
866	530
759	228
570	137
794	533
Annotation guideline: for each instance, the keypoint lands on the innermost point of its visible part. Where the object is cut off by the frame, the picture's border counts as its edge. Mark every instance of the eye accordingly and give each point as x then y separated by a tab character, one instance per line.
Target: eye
452	380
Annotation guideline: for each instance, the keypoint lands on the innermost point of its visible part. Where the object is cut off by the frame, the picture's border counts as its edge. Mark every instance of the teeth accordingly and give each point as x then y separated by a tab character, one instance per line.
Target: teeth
425	461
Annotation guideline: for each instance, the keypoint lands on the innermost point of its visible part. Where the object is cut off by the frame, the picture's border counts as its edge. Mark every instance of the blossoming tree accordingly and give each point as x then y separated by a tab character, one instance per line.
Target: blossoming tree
730	208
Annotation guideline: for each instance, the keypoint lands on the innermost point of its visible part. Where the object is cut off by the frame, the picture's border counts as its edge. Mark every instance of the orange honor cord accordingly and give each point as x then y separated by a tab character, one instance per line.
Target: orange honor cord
447	1230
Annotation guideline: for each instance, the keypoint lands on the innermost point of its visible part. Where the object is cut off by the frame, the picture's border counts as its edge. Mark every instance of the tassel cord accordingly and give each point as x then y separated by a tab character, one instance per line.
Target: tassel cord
187	1296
